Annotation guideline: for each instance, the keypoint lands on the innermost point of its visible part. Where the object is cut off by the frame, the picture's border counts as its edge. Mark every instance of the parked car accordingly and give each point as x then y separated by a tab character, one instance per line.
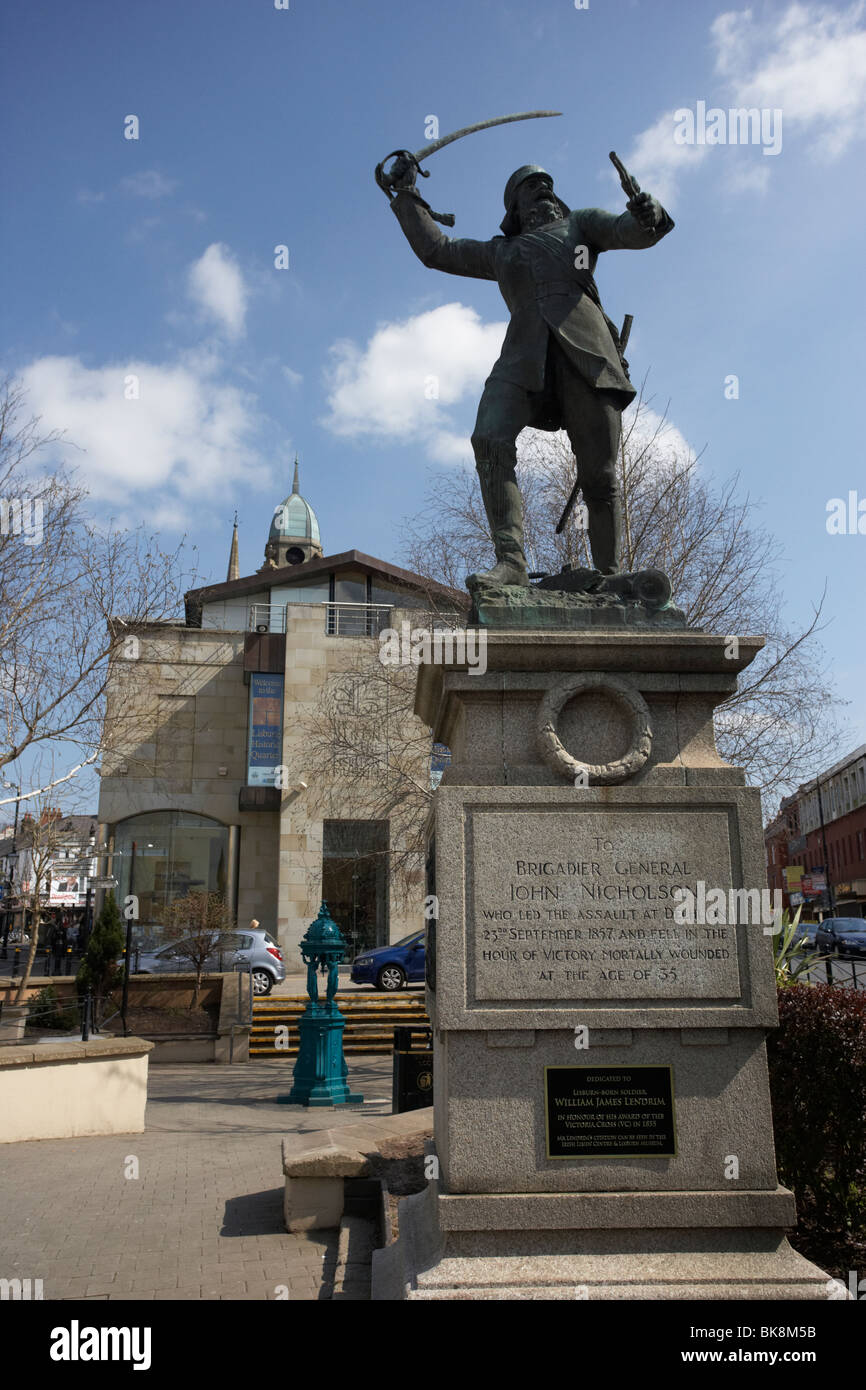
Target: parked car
805	936
846	936
252	947
391	967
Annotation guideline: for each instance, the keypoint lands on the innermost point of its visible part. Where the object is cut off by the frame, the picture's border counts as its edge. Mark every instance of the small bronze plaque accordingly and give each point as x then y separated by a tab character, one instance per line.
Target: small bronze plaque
609	1112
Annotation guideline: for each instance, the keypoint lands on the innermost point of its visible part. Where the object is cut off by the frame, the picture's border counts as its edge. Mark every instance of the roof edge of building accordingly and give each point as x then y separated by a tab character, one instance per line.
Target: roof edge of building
194	599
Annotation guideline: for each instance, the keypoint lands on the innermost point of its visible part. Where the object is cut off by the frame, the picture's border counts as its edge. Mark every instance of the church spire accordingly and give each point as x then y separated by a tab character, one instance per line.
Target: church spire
234	562
296	487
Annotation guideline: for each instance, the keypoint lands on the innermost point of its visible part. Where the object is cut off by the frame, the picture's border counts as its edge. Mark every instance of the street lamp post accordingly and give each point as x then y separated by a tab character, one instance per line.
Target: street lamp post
84	933
126	961
355	907
831	897
4	954
84	930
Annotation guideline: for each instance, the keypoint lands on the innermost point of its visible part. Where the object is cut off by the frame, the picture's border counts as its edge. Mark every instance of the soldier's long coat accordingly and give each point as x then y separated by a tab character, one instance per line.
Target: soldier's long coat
547	281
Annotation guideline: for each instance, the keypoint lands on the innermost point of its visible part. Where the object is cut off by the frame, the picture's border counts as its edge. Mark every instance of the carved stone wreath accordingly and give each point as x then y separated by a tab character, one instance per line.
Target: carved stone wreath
622	694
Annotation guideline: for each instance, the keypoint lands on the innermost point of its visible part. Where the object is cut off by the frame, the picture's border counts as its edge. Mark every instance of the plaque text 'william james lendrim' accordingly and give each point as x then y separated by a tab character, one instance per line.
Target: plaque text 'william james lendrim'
609	1112
578	904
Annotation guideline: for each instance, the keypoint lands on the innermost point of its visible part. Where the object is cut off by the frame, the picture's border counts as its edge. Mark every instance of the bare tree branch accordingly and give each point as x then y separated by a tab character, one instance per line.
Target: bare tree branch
64	583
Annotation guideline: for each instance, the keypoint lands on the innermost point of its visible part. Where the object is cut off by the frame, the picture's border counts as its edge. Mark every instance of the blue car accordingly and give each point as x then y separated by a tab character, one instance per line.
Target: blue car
844	935
391	967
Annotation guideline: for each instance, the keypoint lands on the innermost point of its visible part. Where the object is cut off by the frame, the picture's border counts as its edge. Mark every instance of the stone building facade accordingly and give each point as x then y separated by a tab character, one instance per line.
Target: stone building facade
208	780
816	844
781	832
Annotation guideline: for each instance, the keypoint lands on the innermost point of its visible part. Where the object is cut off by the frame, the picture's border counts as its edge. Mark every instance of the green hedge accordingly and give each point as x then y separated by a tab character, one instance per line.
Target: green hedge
46	1011
817	1062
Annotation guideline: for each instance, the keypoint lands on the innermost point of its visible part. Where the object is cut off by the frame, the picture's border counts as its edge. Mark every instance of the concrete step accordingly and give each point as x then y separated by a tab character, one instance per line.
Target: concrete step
374	1015
370	1022
293	1021
345	1006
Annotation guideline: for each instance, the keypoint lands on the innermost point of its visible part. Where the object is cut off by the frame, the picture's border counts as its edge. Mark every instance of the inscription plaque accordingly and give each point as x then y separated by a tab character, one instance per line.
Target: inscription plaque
609	1112
580	904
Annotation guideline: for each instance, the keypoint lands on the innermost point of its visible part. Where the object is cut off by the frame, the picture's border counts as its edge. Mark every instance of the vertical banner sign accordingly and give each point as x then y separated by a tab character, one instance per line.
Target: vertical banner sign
793	877
266	729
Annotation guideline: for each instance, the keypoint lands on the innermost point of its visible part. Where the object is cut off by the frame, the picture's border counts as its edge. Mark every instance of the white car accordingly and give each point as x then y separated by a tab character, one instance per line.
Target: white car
253	947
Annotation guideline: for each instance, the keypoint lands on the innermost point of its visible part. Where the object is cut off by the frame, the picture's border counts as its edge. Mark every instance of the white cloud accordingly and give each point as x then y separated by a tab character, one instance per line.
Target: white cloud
809	62
445	446
84	195
217	286
660	159
647	430
186	440
292	377
150	183
401	385
752	177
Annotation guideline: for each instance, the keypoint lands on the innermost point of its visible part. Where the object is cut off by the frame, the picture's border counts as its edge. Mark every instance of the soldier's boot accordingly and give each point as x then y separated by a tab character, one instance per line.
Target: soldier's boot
604	525
504	506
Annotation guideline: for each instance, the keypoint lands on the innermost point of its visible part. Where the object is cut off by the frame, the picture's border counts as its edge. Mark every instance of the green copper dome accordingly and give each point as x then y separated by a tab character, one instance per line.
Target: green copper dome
294	518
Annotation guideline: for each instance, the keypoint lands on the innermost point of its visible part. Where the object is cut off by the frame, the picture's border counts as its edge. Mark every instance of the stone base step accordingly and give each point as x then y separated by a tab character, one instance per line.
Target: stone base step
492	1258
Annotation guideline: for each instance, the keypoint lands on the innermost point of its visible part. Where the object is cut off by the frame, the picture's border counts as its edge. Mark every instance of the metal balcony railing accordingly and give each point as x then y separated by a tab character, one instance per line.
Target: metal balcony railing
267	617
348	619
341	619
356	619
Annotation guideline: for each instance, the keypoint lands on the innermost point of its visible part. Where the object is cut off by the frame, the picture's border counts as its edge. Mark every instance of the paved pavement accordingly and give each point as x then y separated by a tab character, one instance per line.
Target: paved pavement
203	1217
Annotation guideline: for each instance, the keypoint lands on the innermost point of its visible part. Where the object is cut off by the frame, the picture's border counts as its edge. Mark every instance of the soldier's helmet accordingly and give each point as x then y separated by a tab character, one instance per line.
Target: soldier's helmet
510	223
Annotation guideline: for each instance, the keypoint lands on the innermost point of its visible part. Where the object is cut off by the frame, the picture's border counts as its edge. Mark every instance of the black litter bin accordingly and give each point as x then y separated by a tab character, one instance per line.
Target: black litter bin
413	1070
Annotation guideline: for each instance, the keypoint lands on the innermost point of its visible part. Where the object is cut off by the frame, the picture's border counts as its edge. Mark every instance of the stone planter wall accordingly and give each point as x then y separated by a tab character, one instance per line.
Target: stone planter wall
64	1090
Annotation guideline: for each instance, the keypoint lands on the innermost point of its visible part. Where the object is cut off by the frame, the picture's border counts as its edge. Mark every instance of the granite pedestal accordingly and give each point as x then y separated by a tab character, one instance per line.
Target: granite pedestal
602	1113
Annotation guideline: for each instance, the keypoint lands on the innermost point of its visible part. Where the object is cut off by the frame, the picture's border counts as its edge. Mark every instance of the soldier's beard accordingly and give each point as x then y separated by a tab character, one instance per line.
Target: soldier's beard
547	210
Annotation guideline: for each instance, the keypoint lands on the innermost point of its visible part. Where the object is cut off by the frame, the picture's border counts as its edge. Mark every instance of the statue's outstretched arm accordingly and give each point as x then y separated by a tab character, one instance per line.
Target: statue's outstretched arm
607	232
459	256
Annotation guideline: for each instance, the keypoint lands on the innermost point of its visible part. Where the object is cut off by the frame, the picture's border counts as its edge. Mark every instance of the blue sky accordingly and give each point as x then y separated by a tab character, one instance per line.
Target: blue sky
260	127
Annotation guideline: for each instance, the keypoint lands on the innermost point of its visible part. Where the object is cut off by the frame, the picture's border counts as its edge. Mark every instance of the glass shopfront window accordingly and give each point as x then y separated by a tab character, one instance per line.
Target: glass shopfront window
160	855
355	880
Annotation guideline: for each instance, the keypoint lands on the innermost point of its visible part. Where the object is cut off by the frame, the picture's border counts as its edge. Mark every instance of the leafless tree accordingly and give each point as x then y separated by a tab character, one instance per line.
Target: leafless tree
44	831
73	591
197	925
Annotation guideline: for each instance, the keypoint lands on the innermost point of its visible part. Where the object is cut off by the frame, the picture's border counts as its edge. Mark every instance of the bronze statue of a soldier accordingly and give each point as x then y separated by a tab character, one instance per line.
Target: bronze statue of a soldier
561	365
